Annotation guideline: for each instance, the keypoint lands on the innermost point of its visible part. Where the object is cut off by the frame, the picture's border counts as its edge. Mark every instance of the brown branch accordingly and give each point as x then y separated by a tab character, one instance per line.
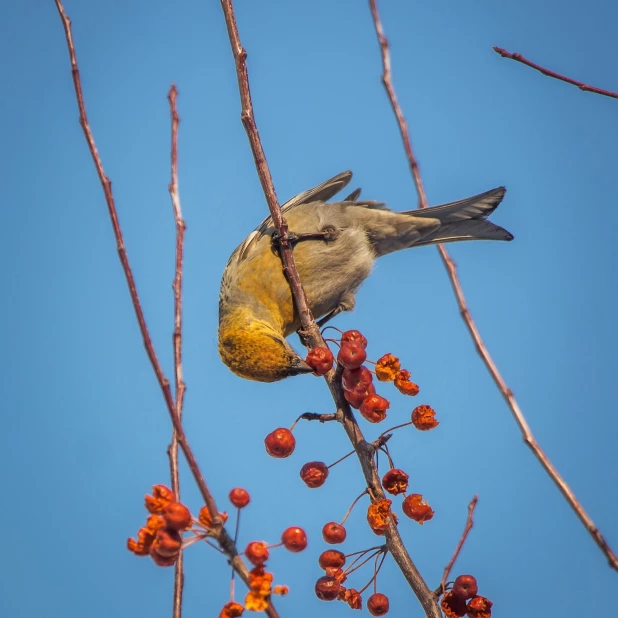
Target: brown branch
177	336
462	540
311	332
220	534
470	324
519	58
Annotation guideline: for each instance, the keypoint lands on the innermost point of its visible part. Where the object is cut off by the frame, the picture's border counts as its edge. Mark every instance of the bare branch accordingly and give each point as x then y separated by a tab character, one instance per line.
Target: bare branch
519	58
311	332
220	534
467	317
462	540
177	336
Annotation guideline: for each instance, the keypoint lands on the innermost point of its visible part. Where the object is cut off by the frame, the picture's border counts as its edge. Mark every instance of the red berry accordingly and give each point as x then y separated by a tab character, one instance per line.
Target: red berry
374	408
333	533
163	561
177	516
331	558
280	443
314	474
354	335
327	588
356	399
357	380
417	509
465	587
257	553
239	497
167	542
320	360
351	355
377	604
294	539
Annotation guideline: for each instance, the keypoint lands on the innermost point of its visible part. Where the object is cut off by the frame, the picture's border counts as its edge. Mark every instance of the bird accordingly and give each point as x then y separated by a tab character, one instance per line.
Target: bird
335	247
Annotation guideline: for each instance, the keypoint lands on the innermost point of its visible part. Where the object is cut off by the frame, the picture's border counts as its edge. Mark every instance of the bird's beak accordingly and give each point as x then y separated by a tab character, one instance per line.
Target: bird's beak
300	366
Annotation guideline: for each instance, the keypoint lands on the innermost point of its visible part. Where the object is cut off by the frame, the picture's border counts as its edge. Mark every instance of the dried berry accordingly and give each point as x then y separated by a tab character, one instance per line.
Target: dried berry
314	474
377	604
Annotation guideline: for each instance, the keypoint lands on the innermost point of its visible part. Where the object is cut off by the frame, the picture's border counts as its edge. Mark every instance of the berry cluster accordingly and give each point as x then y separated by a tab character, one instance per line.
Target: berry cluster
357	381
462	599
161	539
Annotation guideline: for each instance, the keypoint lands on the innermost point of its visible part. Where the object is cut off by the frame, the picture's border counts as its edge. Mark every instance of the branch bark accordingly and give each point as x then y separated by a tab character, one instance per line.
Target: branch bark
482	350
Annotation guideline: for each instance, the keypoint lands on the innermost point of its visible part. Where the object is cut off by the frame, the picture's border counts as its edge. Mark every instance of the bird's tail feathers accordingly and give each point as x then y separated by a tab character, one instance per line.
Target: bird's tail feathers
465	219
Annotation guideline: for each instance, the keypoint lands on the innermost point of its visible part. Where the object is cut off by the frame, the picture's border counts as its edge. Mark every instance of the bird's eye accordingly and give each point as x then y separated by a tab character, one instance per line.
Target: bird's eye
330	233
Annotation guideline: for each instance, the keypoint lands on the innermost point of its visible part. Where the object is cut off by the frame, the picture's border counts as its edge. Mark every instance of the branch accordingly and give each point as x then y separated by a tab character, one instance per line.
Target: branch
177	336
462	540
519	58
311	332
470	324
220	534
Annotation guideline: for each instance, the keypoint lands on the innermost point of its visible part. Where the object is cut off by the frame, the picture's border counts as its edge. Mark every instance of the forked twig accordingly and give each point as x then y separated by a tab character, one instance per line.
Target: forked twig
221	535
467	317
172	450
519	58
311	332
462	540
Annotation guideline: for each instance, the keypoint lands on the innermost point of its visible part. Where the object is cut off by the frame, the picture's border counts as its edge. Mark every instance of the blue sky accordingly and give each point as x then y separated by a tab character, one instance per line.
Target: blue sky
85	428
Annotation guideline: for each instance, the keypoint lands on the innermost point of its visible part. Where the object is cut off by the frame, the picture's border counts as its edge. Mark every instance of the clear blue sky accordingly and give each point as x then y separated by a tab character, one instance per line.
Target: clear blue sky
85	429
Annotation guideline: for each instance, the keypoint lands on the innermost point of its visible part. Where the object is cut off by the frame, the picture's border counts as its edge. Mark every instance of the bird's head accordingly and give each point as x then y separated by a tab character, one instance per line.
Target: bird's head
254	350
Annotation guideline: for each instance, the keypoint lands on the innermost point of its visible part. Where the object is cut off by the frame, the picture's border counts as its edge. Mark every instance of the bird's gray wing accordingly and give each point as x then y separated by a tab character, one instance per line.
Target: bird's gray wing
321	193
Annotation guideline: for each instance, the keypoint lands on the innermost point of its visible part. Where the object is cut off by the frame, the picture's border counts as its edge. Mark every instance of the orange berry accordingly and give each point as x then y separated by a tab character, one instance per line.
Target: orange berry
353	598
327	588
294	539
417	509
177	516
351	355
314	474
354	335
320	360
377	604
479	607
423	418
231	610
374	408
167	542
357	380
331	558
395	481
280	443
337	573
257	553
403	384
465	586
378	513
333	533
387	368
239	497
160	498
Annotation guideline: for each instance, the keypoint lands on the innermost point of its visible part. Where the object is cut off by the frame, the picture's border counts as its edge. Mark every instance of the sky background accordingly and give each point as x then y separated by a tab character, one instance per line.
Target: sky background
85	428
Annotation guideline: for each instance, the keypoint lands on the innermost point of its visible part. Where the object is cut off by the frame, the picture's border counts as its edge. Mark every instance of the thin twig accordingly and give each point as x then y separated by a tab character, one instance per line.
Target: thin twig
220	533
467	317
310	330
172	450
519	58
462	540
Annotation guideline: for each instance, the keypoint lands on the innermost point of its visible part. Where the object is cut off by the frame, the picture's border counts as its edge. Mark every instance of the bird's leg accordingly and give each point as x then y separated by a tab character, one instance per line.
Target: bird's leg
346	303
327	234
